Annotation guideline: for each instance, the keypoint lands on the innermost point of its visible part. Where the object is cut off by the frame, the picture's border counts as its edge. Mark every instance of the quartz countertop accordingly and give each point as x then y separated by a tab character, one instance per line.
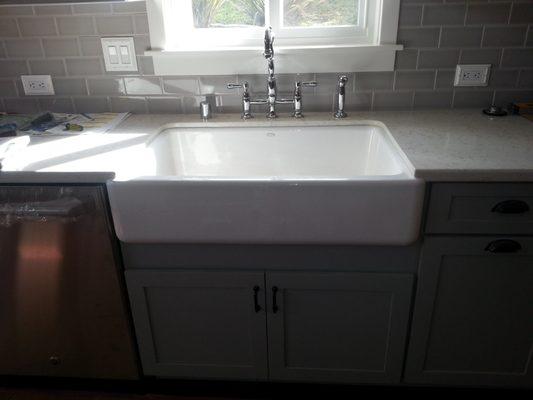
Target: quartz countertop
441	145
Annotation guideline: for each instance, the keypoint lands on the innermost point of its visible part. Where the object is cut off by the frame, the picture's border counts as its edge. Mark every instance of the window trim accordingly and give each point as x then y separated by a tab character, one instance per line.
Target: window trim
291	57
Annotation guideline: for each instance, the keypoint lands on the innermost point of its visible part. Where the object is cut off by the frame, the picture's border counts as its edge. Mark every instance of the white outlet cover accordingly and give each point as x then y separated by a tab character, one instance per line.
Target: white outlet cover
472	75
123	57
37	85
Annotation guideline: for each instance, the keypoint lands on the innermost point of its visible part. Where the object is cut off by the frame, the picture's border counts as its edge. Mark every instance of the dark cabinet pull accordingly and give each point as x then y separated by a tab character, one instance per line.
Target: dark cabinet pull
257	307
503	246
511	207
275	307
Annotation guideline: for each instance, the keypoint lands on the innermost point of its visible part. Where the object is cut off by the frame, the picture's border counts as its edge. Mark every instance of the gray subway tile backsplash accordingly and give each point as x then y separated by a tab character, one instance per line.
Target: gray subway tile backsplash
106	86
23	48
393	100
93	104
7	88
13	68
8	27
114	25
438	58
97	8
419	37
16	10
37	26
61	47
373	80
502	78
143	85
77	25
54	67
465	98
518	58
414	80
480	56
433	99
84	66
57	104
494	13
90	46
70	86
461	37
522	13
63	40
444	14
135	105
57	9
21	105
164	105
526	79
504	36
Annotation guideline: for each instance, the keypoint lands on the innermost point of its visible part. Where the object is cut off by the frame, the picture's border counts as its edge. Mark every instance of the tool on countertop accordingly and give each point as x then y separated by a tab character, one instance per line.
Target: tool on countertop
523	109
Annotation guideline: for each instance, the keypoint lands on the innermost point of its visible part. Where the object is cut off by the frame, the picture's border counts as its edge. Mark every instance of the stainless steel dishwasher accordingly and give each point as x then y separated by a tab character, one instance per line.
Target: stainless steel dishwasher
62	307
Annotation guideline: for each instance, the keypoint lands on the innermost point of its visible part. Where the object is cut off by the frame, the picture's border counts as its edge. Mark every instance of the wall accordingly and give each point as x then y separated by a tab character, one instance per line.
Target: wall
63	41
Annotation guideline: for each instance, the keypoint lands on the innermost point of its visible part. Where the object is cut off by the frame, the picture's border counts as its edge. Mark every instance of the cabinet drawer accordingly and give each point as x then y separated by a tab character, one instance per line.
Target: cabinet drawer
491	208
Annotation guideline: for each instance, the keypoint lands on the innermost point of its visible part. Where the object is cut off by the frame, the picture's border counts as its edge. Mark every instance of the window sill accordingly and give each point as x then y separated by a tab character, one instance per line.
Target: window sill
309	59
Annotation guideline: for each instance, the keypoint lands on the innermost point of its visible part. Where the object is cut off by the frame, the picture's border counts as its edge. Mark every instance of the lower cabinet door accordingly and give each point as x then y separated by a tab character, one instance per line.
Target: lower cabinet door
204	324
337	327
473	317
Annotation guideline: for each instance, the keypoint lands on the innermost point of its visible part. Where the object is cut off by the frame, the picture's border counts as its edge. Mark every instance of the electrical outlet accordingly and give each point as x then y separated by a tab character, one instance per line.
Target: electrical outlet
472	75
37	85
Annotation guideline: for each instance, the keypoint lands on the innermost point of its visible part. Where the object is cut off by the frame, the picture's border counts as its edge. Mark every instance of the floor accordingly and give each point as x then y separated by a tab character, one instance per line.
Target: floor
23	389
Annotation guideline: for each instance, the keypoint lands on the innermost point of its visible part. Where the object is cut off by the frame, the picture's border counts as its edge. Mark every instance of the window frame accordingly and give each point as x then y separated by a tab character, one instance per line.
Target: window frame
370	49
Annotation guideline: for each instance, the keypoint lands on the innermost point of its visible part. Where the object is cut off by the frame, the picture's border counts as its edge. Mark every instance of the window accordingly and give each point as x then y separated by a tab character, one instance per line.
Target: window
236	27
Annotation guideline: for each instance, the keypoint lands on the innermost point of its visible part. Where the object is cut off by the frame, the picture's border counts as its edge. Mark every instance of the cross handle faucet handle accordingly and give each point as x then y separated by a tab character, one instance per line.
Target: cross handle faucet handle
243	85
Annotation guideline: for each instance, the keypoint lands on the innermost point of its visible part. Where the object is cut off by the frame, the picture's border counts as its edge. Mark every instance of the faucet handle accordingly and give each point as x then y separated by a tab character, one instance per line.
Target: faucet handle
243	85
298	86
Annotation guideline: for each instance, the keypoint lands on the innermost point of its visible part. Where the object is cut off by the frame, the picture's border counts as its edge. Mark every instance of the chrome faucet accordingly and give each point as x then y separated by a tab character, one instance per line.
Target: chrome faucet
341	98
271	82
298	97
272	91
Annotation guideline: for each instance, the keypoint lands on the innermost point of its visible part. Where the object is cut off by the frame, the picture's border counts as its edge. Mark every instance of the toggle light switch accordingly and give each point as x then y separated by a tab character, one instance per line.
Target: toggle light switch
125	55
119	54
113	55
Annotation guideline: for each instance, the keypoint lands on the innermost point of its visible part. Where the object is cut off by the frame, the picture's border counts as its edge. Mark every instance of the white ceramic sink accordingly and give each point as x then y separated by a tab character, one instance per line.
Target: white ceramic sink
322	184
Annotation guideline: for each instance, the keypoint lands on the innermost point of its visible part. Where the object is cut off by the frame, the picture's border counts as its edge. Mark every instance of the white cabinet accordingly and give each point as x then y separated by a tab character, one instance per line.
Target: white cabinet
473	318
322	327
337	327
200	324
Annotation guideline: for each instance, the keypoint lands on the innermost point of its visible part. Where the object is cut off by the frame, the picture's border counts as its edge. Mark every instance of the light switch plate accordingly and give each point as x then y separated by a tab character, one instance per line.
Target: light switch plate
472	75
119	54
37	85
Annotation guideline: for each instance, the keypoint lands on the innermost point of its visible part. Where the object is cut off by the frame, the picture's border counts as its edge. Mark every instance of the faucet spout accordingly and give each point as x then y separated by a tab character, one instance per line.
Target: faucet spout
269	44
271	82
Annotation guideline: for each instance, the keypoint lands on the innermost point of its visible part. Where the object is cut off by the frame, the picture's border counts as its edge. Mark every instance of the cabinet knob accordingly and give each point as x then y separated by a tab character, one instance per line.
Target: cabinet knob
511	207
54	360
503	246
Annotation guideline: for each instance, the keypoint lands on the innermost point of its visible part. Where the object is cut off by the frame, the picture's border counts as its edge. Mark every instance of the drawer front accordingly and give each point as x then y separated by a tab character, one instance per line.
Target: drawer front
481	208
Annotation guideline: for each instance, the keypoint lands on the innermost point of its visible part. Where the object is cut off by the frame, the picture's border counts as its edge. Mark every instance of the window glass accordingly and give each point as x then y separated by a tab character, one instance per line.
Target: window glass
320	13
228	13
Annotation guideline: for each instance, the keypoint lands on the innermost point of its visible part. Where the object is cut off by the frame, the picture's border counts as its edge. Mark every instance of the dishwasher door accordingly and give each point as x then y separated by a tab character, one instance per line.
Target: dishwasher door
62	307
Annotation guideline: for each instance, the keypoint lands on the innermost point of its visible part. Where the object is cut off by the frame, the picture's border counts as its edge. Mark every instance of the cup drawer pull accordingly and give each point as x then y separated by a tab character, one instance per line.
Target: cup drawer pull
511	207
503	246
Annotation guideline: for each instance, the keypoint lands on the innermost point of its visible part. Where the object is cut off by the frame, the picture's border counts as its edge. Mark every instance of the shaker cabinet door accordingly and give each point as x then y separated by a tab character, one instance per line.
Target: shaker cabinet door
473	318
337	327
205	324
